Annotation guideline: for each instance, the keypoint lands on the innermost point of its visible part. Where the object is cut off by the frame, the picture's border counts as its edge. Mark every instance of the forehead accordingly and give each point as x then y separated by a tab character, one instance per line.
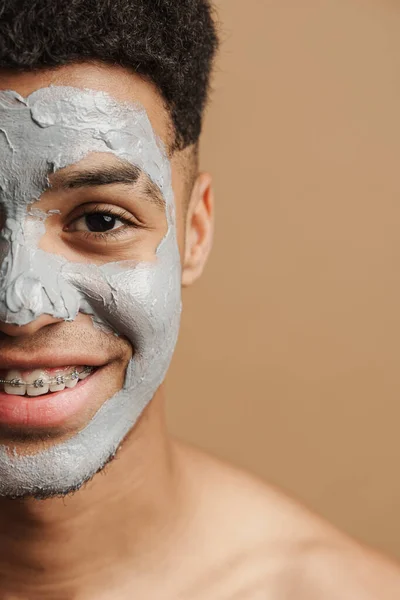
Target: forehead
118	82
55	127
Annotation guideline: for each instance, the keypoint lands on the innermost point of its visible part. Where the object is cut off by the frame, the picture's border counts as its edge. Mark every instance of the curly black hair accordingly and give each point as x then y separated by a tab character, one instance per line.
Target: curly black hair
171	42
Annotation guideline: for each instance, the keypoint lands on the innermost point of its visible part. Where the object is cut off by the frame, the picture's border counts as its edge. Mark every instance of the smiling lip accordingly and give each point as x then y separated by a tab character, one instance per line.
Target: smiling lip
55	361
50	410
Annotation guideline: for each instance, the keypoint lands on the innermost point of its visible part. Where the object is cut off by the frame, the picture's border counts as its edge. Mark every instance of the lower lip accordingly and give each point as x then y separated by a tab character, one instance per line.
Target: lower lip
49	410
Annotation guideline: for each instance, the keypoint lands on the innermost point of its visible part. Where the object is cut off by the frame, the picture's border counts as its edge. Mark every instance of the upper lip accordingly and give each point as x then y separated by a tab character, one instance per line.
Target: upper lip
52	362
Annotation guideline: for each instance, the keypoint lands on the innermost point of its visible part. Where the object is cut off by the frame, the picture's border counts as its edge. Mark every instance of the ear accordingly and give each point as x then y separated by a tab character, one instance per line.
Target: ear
199	229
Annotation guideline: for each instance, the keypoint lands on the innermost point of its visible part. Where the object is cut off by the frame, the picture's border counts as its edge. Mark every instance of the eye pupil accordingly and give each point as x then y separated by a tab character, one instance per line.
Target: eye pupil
100	222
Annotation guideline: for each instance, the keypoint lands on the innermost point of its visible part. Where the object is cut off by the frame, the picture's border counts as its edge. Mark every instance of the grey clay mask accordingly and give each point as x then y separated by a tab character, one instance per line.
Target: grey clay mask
53	128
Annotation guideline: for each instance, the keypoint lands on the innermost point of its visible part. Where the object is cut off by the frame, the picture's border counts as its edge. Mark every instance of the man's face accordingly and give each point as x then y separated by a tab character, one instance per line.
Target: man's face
90	270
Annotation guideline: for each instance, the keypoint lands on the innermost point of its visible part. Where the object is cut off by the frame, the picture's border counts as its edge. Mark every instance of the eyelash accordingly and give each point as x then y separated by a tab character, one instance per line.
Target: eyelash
120	214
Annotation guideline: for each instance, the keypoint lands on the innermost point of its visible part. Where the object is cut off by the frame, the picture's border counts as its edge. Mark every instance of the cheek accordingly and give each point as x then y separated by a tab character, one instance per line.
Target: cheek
137	301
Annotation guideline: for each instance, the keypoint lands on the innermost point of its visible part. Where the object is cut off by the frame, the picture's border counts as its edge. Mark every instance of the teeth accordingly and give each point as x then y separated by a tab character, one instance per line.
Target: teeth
71	382
37	381
14	389
84	374
60	385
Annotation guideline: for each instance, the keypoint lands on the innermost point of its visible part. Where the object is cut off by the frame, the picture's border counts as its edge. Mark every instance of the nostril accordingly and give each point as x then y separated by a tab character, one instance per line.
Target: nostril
25	292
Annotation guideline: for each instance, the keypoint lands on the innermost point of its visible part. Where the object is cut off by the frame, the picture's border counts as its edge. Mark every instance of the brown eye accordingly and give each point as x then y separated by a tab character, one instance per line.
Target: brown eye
100	222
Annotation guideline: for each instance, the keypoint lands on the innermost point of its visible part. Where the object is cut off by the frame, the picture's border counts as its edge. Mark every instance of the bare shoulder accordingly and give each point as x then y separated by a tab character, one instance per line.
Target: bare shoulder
270	546
343	570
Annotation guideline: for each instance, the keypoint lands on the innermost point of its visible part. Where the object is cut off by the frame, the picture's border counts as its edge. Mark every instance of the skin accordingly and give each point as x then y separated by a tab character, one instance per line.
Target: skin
162	520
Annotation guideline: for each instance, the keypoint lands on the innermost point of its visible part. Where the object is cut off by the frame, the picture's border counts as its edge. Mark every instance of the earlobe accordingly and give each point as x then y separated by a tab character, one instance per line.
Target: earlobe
199	229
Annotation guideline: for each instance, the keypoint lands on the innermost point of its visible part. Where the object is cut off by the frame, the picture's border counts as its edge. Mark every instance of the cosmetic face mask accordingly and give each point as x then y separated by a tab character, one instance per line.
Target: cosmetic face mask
54	128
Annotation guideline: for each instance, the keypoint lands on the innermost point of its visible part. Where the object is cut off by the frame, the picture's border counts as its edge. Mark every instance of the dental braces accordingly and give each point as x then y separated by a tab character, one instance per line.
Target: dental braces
40	383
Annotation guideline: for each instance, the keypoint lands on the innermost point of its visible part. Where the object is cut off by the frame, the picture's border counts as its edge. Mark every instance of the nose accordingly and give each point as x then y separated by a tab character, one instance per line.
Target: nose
30	328
34	291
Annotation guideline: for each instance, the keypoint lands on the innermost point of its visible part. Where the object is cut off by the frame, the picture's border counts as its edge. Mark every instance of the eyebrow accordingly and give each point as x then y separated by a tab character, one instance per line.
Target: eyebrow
123	173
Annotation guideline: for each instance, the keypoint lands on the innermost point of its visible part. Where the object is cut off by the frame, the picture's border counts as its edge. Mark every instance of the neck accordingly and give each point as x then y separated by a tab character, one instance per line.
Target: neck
64	546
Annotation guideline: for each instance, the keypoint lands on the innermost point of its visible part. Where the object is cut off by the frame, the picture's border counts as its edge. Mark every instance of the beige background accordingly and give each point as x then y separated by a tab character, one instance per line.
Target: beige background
288	362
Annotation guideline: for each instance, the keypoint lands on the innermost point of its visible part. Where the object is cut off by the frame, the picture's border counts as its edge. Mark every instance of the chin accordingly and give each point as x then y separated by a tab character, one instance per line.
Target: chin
36	492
